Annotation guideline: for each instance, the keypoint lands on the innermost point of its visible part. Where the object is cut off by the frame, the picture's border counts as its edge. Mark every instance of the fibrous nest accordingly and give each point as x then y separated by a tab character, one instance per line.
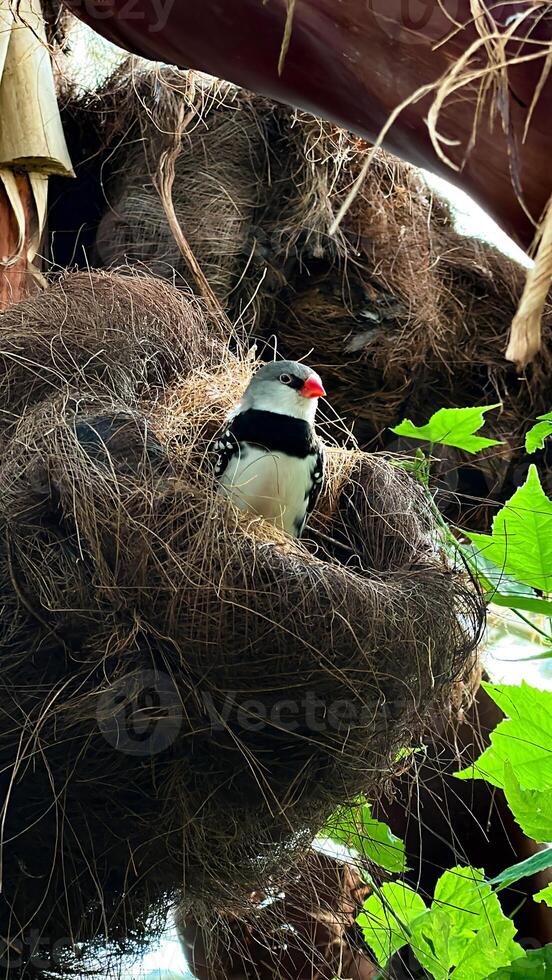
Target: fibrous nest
219	184
57	23
186	695
403	315
306	933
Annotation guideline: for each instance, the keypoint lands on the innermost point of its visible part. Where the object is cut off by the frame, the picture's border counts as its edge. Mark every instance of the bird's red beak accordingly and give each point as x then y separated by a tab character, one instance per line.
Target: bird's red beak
313	387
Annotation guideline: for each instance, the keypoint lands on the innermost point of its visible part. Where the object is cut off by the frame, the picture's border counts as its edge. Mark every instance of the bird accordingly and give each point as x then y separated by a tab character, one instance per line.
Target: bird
269	459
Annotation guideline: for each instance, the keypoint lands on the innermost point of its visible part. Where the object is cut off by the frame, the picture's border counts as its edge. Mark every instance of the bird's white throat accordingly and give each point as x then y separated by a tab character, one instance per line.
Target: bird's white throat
281	399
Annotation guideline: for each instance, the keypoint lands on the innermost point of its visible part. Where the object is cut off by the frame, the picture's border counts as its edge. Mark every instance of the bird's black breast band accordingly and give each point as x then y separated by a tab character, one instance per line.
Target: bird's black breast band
274	432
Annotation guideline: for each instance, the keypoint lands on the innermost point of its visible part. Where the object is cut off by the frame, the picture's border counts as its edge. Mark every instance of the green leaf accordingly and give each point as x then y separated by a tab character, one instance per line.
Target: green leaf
465	931
534	438
385	921
545	895
408	751
523	739
492	575
493	946
432	942
462	892
451	427
532	808
541	606
500	588
521	539
540	861
355	827
545	655
535	965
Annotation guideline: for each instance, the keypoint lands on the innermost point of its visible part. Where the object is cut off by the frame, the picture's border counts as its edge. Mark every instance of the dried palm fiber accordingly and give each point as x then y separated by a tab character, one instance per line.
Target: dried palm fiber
251	198
403	315
307	933
122	132
152	637
412	317
57	22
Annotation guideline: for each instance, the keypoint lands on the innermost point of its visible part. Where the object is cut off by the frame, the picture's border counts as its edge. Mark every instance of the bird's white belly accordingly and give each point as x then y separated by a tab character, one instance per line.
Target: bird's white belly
271	484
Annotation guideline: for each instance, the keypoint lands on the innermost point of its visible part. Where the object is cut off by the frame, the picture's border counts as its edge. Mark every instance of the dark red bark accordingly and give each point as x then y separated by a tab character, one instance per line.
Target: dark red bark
354	61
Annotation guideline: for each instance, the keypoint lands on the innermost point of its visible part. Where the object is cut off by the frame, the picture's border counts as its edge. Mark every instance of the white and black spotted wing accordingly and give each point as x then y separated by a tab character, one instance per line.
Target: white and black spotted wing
316	487
225	448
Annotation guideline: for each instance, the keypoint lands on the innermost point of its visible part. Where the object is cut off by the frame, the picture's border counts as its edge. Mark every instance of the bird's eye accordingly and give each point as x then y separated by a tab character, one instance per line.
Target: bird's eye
285	379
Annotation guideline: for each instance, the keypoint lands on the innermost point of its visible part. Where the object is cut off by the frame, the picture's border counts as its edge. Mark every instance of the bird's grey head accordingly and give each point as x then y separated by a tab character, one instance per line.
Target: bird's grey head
284	387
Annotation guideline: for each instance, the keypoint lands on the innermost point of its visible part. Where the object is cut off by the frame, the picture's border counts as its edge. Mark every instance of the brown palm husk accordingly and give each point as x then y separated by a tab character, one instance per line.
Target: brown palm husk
219	178
187	695
57	22
306	933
